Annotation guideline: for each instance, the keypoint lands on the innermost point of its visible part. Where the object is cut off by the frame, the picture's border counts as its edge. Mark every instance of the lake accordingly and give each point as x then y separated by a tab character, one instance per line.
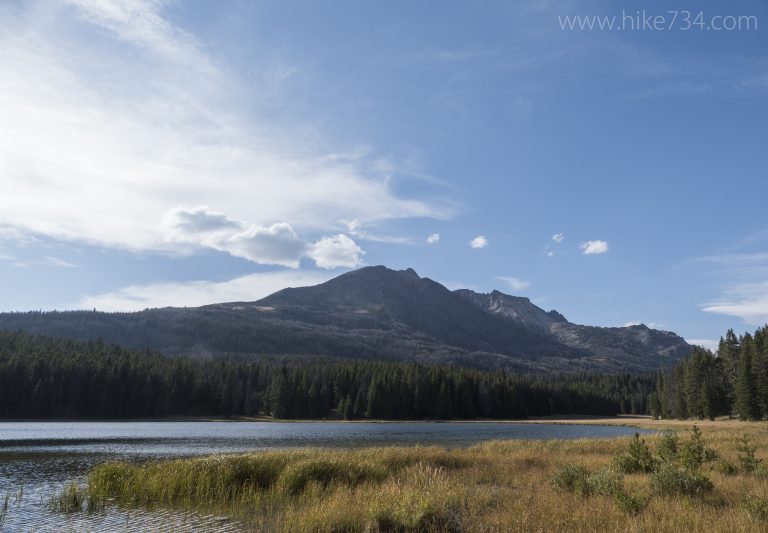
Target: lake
37	458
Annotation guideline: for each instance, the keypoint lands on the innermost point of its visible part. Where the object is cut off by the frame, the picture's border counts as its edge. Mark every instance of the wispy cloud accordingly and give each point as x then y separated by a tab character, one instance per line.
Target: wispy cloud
245	288
748	301
652	325
433	238
56	262
709	344
558	237
152	122
479	242
594	247
516	284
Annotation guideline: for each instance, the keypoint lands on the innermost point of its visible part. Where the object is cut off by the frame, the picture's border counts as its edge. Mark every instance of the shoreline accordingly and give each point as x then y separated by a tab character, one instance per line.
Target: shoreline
637	421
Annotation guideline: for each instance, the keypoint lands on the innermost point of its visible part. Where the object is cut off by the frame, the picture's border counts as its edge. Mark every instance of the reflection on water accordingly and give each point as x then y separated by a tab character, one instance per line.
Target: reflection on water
37	458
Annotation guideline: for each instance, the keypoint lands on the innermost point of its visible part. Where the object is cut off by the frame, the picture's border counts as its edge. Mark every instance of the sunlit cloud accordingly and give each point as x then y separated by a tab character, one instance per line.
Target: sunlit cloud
479	242
594	247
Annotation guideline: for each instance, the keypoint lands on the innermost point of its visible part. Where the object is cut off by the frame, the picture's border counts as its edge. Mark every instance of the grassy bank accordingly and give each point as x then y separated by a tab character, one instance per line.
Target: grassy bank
713	483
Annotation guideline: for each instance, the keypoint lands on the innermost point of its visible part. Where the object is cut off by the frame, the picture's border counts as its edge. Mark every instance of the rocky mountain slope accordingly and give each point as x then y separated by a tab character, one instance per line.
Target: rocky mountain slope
376	313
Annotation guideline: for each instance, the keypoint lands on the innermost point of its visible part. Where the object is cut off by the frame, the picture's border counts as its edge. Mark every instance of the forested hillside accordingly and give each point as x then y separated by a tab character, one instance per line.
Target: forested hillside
733	381
45	377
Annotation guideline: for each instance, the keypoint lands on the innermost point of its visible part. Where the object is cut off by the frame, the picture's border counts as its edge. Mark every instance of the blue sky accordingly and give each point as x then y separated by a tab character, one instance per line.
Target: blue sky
181	153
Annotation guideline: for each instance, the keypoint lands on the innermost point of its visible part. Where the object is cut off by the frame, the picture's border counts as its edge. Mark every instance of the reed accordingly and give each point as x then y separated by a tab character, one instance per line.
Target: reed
679	484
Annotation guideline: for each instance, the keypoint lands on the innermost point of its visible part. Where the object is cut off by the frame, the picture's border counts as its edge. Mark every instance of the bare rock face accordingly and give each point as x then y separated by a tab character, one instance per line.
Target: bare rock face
376	313
631	346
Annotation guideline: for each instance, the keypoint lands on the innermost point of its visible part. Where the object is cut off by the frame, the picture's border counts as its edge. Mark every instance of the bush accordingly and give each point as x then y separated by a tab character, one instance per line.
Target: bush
726	468
571	477
632	504
755	506
694	452
669	479
747	460
577	479
637	459
668	447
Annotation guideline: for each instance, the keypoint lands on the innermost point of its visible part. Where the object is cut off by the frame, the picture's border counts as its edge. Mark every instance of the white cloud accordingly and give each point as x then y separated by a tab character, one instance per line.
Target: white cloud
56	262
710	344
433	238
457	285
652	325
195	293
107	139
515	284
336	251
355	228
594	247
748	301
140	22
479	242
558	237
277	244
550	253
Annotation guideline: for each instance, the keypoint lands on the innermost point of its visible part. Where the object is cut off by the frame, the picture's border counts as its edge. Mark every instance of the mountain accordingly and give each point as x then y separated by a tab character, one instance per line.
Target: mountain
628	346
375	313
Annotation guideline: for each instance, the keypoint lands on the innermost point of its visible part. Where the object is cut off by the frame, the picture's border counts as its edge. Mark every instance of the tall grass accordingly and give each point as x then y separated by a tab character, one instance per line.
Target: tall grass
496	486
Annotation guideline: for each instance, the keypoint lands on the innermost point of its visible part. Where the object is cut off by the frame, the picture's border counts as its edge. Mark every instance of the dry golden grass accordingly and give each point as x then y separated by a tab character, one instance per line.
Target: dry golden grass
495	486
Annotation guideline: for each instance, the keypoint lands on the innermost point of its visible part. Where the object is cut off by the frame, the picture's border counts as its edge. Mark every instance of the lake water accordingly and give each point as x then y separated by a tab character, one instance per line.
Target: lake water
38	458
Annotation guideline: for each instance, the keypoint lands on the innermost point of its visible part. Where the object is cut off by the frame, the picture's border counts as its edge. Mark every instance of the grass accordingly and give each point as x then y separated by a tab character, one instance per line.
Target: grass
665	482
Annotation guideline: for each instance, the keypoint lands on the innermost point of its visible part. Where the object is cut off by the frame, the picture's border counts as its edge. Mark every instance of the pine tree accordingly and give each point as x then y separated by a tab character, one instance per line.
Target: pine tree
746	400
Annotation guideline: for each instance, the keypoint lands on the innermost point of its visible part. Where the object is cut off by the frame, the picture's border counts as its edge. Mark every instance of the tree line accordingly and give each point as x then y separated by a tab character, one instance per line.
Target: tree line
47	378
731	381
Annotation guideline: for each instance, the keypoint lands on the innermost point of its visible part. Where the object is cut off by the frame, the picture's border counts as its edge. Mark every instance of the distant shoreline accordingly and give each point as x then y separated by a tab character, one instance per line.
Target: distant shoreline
623	420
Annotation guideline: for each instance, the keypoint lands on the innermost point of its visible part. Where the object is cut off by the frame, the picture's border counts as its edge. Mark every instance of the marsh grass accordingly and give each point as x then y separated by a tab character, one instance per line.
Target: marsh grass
495	486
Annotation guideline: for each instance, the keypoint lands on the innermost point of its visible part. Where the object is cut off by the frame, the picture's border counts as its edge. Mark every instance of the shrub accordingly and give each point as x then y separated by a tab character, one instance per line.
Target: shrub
577	479
667	449
637	459
755	506
726	468
747	460
694	452
632	504
669	479
571	477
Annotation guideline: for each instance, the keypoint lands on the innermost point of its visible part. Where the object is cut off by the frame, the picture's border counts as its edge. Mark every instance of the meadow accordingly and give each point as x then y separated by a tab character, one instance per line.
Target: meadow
712	479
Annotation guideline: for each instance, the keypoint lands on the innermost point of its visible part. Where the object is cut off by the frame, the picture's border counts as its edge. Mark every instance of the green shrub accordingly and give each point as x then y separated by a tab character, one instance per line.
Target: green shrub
669	479
637	459
747	460
726	468
668	447
694	452
577	479
755	506
606	482
571	477
632	504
